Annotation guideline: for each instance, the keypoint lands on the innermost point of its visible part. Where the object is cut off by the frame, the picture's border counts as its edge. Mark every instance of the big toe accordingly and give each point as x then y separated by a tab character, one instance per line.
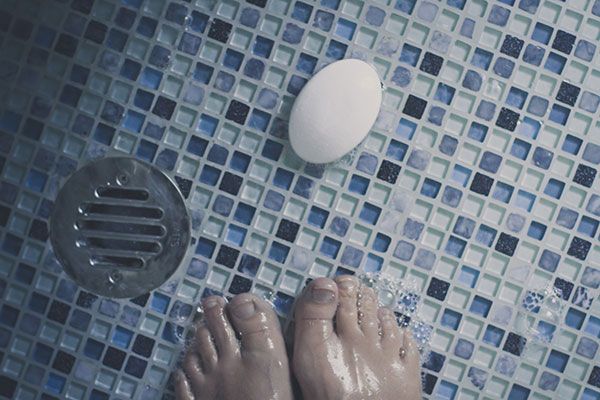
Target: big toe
256	324
315	310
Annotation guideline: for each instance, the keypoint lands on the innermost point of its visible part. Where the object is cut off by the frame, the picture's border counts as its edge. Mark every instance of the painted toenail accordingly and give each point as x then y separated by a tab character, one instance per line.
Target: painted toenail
244	310
210	303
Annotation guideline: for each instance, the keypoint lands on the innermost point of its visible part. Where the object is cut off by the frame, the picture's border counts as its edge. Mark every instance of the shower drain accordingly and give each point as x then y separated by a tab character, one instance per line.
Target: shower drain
119	227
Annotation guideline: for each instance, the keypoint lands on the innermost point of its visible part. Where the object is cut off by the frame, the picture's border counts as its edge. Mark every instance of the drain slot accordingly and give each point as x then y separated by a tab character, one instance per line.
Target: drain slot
118	244
116	262
121	210
119	227
122	193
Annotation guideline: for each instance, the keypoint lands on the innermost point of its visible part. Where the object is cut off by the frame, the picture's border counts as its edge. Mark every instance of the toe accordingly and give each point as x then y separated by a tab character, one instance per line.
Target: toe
314	312
219	326
193	372
256	323
205	347
367	312
391	337
183	389
347	313
412	357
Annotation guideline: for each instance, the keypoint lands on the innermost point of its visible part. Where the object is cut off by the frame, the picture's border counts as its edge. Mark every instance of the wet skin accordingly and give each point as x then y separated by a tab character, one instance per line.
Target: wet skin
345	348
358	357
218	366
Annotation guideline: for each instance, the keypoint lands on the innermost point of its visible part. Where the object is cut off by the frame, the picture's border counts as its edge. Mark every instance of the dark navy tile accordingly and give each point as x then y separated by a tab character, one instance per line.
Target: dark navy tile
563	41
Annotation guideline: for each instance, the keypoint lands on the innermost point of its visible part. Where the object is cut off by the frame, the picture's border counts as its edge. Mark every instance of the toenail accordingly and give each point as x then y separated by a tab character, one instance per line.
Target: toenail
244	310
322	295
210	303
347	284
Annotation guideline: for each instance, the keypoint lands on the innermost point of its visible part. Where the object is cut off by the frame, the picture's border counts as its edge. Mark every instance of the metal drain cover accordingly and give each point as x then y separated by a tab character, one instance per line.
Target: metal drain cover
119	227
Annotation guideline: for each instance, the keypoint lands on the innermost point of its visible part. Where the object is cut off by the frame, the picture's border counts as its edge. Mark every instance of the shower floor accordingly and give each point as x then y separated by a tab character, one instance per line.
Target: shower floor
478	182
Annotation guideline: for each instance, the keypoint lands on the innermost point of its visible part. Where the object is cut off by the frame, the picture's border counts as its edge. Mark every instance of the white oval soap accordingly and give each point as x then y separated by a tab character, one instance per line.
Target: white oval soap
335	111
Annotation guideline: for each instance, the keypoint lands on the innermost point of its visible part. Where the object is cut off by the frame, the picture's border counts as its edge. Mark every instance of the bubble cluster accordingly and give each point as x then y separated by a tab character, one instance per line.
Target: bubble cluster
403	297
544	308
546	302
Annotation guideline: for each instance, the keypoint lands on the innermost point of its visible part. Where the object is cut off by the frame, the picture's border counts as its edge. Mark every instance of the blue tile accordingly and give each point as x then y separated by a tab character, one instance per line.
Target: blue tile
375	16
533	54
451	319
397	150
464	348
444	93
588	226
425	259
317	216
292	33
498	15
455	246
323	20
542	33
345	28
430	188
381	242
278	252
589	101
302	11
538	106
504	67
370	213
477	131
554	188
490	162
585	50
336	50
351	256
520	149
486	110
493	335
306	63
536	230
249	17
555	63
358	184
404	250
330	247
401	76
254	68
405	6
451	196
464	227
482	58
467	28
339	226
468	276
472	80
542	158
486	235
198	21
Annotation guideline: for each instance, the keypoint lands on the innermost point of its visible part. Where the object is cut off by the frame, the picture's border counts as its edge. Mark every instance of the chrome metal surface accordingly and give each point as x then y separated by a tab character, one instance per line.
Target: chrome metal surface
120	227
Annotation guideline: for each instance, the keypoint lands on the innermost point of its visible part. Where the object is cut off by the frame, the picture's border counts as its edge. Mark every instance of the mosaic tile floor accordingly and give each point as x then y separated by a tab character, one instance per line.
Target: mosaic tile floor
478	181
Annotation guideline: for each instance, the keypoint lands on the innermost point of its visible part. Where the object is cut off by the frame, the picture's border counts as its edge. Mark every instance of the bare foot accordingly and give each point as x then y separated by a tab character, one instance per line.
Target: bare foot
339	352
218	366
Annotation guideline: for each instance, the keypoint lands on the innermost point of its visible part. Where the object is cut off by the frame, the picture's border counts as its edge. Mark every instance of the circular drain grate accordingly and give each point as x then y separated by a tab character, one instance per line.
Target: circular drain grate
119	227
